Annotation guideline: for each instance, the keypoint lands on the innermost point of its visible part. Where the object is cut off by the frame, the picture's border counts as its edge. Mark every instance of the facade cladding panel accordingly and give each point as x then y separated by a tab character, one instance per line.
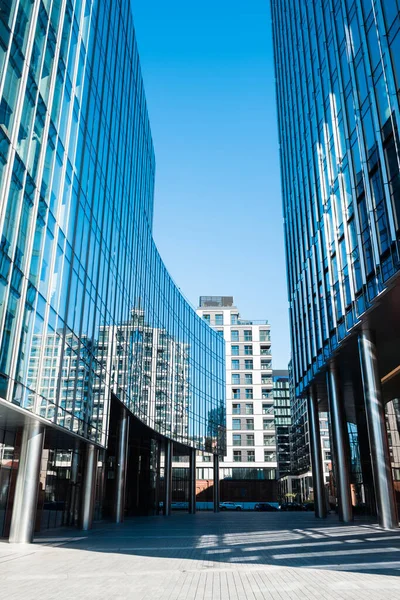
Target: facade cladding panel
87	307
338	82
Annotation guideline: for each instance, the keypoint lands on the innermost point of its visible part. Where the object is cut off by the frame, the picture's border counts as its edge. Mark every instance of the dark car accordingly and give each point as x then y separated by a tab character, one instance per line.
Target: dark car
308	506
265	507
291	506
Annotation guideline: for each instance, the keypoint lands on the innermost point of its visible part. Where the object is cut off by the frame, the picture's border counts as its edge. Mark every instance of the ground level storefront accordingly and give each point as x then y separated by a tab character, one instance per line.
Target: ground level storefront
50	478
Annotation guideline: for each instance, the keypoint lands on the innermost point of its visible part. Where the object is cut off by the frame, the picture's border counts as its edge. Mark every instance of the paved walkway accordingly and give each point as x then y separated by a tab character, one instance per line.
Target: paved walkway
235	556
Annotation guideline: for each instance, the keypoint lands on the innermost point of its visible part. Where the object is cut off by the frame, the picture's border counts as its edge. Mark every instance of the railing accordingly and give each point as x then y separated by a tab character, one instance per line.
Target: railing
247	322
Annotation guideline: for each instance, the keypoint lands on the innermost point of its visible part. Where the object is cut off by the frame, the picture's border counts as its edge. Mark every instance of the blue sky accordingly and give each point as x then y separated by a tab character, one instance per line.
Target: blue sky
209	80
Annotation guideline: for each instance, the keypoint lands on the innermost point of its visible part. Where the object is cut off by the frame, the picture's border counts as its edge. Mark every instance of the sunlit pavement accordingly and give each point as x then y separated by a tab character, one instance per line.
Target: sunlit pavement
235	556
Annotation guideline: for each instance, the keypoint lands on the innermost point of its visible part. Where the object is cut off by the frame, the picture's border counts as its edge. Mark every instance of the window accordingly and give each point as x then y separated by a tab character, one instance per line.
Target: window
248	378
235	350
248	350
251	456
237	456
236	409
269	456
235	364
265	350
234	335
266	378
219	319
236	393
234	319
249	409
236	424
265	364
265	394
267	409
250	439
268	424
269	440
248	363
235	378
264	335
207	318
249	393
248	336
249	423
220	332
237	439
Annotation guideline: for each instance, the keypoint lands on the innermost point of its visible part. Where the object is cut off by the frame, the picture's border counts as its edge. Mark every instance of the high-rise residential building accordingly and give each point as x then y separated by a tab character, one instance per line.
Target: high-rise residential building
106	372
282	414
338	89
251	434
297	480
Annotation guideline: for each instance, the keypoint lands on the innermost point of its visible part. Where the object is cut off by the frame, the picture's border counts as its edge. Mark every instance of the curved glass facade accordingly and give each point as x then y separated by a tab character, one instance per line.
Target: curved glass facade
338	89
87	307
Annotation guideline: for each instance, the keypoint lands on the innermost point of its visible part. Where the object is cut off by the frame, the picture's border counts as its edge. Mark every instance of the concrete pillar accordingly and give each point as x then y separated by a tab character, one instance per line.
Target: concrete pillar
340	443
89	487
216	483
168	477
27	486
378	442
316	455
122	462
192	481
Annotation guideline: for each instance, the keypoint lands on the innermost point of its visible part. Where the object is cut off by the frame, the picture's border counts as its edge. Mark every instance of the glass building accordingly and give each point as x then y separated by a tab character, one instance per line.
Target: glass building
338	90
103	364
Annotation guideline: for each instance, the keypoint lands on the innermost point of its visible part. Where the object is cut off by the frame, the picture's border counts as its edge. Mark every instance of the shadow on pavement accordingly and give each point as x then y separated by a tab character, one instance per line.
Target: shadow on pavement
275	539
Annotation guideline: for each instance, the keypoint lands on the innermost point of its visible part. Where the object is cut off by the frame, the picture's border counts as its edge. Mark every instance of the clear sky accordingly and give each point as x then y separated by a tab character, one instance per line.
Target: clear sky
209	80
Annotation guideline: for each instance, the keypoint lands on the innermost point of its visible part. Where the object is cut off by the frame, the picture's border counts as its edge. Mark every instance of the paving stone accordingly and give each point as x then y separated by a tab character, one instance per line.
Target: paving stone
207	556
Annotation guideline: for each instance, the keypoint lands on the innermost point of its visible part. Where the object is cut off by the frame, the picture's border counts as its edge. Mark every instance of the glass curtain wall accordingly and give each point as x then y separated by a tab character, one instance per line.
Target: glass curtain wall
338	83
87	307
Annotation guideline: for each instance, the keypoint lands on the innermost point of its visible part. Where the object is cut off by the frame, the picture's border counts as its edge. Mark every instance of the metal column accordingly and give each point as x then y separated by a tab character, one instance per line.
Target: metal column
158	498
378	442
89	487
192	481
340	444
27	486
122	461
168	477
316	456
216	483
73	484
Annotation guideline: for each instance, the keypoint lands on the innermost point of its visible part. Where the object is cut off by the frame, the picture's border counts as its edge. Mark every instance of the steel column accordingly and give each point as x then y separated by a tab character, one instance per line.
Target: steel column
377	434
158	499
192	481
122	461
27	486
89	487
316	456
168	477
340	442
216	483
73	484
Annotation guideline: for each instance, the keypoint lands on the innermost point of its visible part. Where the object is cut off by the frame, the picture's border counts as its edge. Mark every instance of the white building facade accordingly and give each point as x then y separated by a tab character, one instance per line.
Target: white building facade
251	438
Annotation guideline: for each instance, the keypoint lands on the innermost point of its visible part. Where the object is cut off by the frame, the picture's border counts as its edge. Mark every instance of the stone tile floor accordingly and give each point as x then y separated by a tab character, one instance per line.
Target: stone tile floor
235	556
